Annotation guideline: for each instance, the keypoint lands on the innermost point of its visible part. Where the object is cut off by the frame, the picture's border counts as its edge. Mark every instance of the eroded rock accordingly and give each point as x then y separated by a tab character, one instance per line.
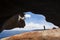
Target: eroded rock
37	35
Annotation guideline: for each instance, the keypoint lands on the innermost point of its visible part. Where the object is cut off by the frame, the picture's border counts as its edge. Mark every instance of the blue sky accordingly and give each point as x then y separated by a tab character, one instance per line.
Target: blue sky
35	21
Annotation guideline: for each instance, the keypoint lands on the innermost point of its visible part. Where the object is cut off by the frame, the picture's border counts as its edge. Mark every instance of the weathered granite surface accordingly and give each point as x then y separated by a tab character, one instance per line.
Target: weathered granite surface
53	34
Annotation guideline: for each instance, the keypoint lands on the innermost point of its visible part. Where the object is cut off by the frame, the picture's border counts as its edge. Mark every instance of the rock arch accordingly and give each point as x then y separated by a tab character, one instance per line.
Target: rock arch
50	9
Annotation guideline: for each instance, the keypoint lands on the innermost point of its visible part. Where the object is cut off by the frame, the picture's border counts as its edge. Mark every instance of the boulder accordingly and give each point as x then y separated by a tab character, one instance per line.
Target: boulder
52	34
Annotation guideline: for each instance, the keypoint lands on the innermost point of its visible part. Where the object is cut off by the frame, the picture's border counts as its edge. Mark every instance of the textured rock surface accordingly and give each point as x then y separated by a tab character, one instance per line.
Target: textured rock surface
37	35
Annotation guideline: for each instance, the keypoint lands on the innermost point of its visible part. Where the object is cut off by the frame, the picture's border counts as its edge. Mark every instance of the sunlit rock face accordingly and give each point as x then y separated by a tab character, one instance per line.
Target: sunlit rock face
37	35
12	7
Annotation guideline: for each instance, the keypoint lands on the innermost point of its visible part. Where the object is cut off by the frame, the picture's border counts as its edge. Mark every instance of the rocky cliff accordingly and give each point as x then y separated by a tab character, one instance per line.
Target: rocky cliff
53	34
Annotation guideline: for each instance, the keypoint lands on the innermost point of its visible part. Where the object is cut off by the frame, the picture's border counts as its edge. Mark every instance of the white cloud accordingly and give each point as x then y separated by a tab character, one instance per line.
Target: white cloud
50	25
33	25
27	15
17	29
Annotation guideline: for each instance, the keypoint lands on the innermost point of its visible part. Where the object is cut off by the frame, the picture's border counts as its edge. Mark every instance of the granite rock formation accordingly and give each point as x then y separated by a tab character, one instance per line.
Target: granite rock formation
37	35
